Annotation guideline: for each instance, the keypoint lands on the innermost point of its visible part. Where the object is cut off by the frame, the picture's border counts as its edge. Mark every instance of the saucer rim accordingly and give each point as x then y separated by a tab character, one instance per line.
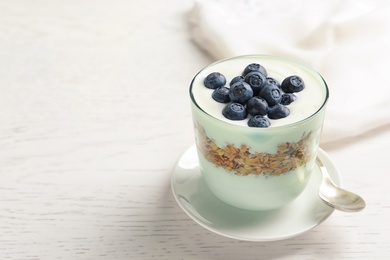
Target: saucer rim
334	174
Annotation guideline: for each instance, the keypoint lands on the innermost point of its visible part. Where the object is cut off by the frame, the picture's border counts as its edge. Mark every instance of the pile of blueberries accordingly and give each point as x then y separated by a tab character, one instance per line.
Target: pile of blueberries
255	94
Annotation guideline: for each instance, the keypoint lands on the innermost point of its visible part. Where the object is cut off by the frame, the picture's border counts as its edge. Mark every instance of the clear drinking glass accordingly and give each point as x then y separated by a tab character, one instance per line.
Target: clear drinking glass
258	168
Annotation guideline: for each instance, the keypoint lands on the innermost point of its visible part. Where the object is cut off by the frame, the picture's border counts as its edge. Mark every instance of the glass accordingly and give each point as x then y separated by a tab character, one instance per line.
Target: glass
258	168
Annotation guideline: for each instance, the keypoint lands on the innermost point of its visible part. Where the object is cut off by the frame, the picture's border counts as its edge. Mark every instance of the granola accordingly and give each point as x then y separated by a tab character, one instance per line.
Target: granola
289	156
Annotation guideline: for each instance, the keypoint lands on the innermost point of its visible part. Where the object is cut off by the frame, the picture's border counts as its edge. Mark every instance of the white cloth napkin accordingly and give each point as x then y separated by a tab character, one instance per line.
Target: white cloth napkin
346	41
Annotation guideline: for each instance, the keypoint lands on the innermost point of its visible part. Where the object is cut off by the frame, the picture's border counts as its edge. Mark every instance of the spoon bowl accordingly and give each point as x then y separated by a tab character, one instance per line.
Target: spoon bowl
337	197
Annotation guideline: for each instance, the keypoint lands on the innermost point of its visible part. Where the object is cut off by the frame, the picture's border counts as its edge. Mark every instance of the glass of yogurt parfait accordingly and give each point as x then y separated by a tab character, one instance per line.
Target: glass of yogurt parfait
257	156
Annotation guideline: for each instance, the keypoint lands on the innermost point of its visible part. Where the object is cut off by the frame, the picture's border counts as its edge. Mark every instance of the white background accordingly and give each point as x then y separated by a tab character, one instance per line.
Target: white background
94	113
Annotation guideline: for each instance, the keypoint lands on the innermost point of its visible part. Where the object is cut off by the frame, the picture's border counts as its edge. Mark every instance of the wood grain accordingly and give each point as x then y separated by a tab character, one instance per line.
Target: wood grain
94	114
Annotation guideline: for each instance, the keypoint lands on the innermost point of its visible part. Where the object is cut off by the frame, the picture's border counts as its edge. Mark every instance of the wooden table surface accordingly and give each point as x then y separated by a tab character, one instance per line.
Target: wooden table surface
94	113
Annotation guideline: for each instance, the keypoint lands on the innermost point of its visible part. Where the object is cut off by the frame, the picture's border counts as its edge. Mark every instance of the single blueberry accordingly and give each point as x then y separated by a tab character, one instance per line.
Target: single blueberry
254	67
293	84
214	80
288	98
240	92
273	81
271	94
234	111
259	121
278	111
256	80
221	95
257	106
236	79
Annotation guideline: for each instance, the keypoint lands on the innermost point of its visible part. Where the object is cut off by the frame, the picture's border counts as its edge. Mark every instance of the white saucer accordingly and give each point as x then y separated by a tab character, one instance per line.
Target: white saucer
303	214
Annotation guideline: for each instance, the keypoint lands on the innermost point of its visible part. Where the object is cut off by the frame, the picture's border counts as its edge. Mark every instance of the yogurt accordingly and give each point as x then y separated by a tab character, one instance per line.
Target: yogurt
308	102
258	168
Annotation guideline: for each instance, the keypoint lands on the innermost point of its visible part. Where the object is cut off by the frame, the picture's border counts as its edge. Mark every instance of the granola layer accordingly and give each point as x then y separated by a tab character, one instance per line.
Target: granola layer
239	160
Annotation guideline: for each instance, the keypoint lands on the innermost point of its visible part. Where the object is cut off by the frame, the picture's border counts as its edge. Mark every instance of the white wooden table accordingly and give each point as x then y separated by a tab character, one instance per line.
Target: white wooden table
94	113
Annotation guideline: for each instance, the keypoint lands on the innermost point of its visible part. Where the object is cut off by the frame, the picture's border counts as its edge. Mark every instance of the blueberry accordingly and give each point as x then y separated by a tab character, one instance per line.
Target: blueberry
240	92
278	111
259	121
272	81
221	95
288	98
254	67
257	106
236	79
214	80
293	84
256	80
234	111
271	94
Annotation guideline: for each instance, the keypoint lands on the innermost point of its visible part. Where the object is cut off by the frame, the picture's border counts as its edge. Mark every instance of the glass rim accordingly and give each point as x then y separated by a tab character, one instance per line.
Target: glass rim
294	61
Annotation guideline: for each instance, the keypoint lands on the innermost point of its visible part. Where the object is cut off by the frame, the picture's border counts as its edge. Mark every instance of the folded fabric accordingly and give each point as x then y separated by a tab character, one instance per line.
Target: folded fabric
347	41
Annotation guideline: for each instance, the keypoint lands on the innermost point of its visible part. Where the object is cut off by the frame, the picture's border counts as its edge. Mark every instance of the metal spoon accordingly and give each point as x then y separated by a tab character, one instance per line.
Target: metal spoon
337	197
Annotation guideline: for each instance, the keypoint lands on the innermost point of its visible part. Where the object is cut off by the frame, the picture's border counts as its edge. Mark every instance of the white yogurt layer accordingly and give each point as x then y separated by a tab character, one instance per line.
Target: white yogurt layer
308	102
